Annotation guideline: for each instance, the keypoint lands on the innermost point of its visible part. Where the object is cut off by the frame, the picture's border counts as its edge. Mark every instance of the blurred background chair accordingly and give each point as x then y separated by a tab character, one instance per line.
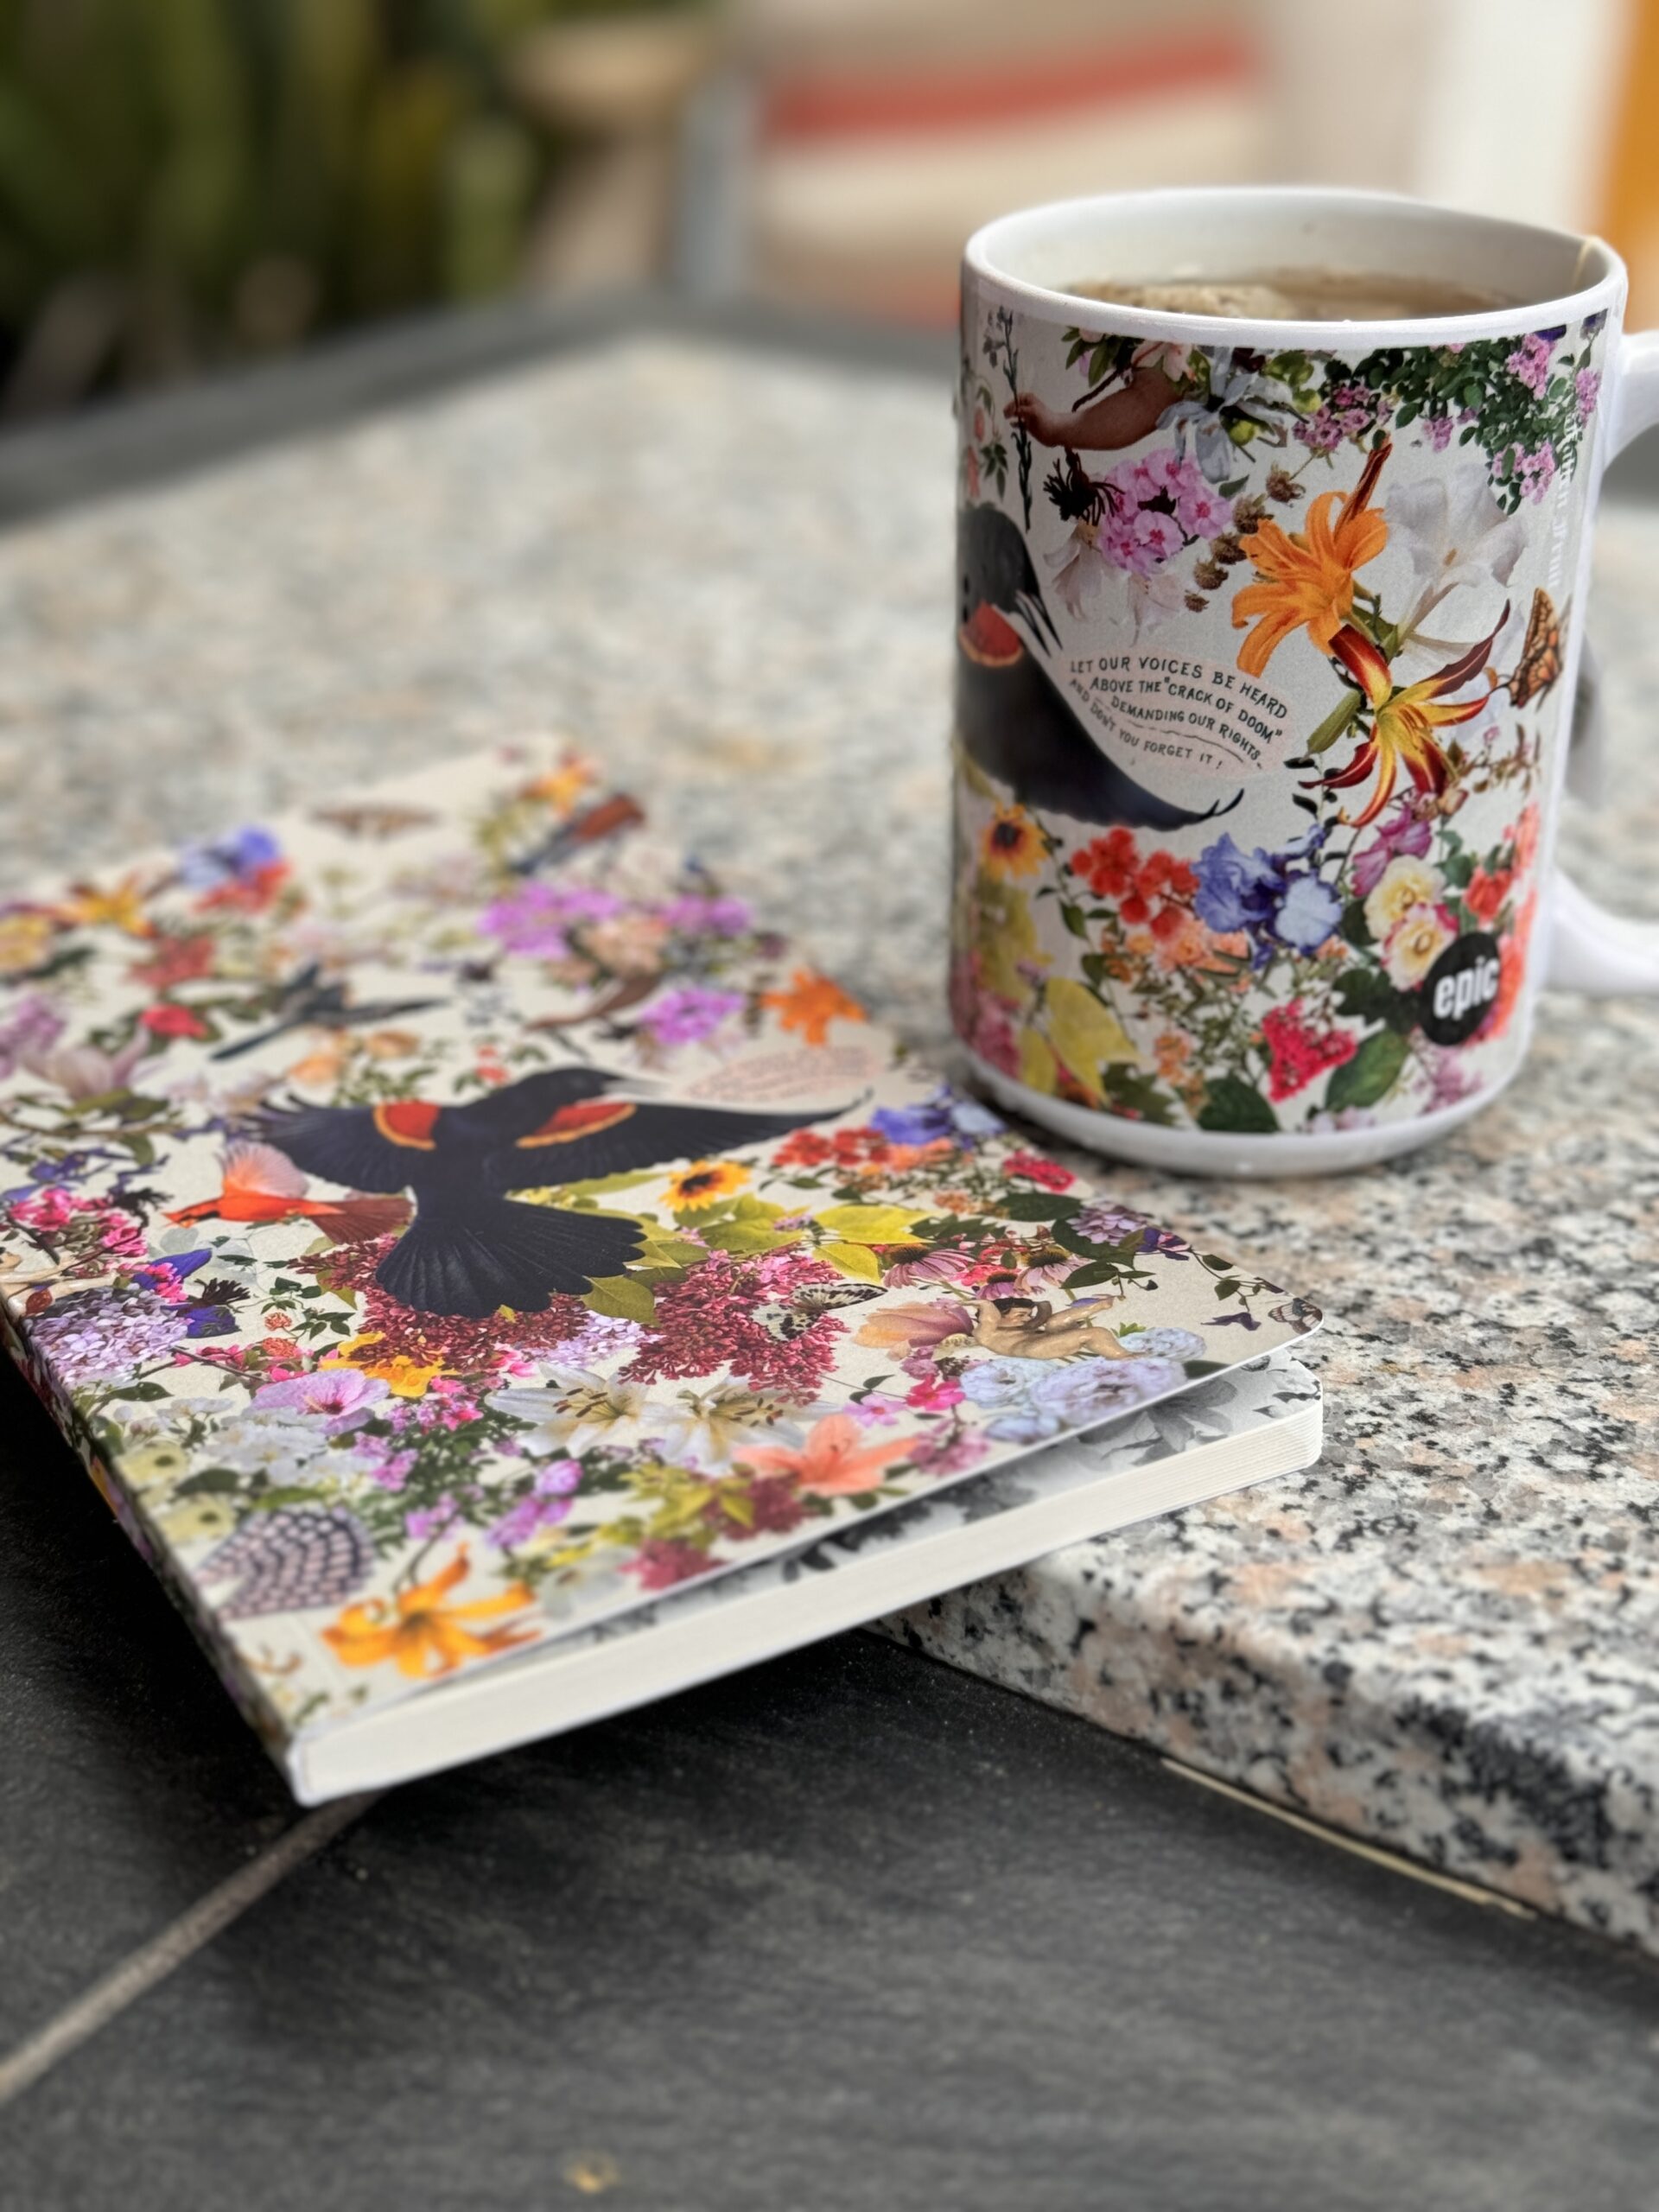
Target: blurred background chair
189	183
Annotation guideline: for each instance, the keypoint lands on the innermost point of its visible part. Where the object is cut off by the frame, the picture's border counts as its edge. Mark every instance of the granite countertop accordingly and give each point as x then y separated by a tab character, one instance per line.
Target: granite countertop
726	574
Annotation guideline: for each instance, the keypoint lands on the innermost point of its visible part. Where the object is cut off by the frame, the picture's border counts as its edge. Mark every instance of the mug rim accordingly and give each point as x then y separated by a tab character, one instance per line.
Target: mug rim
1324	334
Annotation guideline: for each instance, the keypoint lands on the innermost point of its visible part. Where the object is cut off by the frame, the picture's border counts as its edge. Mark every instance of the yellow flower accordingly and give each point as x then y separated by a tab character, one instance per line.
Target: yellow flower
562	787
152	1464
423	1636
25	941
120	908
703	1182
1305	578
1013	844
402	1376
1404	883
810	1004
195	1519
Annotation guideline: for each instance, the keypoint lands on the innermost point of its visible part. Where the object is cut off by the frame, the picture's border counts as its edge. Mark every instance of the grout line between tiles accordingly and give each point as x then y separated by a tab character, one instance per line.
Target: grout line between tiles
1396	1863
152	1962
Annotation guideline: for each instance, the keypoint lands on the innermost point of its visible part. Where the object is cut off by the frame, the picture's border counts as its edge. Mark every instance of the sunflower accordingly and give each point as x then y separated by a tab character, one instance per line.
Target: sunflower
703	1182
1013	844
1305	578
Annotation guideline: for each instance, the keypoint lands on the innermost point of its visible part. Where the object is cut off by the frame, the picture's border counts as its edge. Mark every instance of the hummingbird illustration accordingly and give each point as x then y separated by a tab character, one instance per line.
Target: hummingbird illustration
306	1003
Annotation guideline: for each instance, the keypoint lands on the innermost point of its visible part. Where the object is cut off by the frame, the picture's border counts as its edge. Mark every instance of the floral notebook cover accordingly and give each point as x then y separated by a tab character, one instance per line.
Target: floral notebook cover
444	1221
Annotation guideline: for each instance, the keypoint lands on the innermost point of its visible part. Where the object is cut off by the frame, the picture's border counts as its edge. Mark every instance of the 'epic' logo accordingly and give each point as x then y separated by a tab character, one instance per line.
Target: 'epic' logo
1458	989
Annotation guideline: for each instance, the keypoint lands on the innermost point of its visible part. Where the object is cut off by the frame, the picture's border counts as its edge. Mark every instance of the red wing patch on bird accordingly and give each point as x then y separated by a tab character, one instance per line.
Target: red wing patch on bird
988	640
408	1122
585	1120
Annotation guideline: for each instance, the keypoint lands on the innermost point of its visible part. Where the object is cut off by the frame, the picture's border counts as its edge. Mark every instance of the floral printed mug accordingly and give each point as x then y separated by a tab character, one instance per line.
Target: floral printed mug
1264	634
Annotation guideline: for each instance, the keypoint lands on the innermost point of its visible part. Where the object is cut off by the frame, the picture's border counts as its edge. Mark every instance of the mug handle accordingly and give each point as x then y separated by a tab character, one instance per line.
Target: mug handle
1590	949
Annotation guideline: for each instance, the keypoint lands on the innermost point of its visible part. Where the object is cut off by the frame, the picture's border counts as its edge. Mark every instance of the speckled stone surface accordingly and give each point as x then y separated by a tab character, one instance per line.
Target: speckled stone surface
729	576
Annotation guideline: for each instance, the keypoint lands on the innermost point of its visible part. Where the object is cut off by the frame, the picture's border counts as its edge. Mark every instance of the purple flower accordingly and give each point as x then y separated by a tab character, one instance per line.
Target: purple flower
1103	1223
690	1012
1586	387
344	1397
535	918
228	860
1399	832
1440	429
557	1477
430	1519
35	1026
696	915
1309	912
527	1519
944	1115
97	1336
1268	894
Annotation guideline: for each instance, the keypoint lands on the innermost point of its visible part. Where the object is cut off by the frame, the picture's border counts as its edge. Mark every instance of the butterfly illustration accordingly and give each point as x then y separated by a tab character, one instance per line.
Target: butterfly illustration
368	821
1541	656
785	1319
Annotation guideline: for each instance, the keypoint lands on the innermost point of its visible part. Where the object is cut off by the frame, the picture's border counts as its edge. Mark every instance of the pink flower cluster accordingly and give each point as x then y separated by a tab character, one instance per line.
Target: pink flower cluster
1348	410
99	1231
1155	507
1586	390
708	1321
1297	1053
1536	471
1530	362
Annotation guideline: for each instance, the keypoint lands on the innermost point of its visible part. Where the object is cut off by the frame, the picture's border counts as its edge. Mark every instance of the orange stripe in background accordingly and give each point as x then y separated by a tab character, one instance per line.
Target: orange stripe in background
1000	91
1631	217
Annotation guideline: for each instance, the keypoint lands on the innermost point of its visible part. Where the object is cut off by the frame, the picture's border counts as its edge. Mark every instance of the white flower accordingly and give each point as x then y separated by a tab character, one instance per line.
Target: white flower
577	1410
1080	569
1217	453
1417	941
1404	883
1153	600
1462	548
712	1426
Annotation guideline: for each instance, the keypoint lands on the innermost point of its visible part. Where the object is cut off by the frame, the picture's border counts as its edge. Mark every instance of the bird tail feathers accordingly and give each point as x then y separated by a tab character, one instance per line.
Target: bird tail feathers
473	1258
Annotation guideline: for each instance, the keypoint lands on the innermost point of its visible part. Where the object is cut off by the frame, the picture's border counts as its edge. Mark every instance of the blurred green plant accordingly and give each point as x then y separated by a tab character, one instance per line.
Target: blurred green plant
185	182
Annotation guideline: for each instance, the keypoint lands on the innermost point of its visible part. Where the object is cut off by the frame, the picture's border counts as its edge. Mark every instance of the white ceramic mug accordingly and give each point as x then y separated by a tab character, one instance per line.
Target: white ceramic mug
1266	632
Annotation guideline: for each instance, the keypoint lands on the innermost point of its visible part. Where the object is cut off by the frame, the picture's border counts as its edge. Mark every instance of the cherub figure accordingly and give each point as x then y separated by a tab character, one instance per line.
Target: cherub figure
1029	1328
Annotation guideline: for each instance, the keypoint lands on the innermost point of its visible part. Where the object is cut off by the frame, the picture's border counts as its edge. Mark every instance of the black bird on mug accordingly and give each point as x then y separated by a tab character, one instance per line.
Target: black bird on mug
471	1249
1012	717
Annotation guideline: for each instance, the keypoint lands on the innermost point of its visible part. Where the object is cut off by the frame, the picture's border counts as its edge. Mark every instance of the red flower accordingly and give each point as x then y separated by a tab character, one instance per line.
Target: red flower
165	1020
1107	864
1297	1053
1048	1173
1511	970
661	1561
774	1510
175	960
246	895
1484	894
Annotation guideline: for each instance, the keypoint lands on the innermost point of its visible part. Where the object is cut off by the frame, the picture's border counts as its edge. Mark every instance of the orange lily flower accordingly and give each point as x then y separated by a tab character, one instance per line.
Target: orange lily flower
1404	720
832	1463
810	1004
1306	576
425	1636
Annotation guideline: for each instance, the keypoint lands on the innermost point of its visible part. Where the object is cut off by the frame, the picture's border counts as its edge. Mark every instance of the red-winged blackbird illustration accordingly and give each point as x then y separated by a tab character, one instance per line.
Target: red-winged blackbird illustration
470	1249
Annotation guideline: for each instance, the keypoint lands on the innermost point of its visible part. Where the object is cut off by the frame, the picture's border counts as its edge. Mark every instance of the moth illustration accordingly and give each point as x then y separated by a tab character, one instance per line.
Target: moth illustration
1540	656
785	1319
369	821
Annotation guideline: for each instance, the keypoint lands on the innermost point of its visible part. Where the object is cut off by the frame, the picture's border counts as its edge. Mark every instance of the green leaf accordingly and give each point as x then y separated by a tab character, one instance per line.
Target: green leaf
144	1390
1037	1205
1234	1104
1365	995
1371	1074
1136	1093
1232	487
622	1298
1354	927
1334	723
1097	1271
855	1260
1072	917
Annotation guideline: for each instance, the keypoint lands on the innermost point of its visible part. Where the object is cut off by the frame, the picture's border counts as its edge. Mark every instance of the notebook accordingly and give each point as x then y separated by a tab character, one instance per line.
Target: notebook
488	1271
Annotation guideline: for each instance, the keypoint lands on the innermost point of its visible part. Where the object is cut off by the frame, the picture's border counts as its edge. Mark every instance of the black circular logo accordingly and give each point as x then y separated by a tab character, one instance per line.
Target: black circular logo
1457	992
